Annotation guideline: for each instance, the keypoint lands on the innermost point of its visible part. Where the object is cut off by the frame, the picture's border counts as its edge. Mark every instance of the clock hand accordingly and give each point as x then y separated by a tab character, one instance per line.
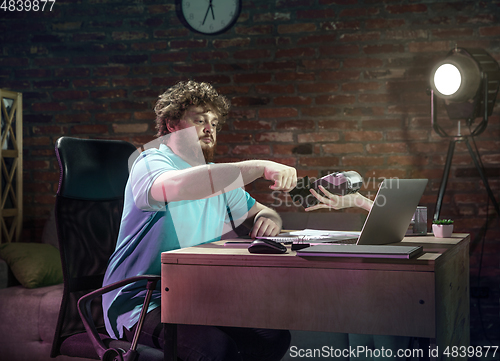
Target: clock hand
211	6
206	14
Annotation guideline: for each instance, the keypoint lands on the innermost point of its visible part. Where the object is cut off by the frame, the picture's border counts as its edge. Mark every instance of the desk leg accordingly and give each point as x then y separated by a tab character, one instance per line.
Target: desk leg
170	342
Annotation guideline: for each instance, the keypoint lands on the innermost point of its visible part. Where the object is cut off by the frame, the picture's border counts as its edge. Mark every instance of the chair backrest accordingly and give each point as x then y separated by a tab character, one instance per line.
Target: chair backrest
89	205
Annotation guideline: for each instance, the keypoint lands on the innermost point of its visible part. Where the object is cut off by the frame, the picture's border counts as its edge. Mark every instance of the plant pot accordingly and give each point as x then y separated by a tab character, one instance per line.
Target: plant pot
442	230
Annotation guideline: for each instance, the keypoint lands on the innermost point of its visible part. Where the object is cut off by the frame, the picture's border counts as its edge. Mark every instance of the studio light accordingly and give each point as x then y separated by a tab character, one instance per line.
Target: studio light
468	81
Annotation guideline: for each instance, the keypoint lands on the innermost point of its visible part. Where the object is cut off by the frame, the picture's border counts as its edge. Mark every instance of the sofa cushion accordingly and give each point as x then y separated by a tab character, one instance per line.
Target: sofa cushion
33	264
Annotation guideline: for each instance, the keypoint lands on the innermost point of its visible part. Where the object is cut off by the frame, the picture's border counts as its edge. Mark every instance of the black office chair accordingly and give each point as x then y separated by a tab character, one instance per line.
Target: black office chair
89	204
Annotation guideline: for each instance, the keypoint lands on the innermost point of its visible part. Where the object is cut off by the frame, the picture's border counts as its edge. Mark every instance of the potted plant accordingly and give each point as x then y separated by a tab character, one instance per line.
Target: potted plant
442	228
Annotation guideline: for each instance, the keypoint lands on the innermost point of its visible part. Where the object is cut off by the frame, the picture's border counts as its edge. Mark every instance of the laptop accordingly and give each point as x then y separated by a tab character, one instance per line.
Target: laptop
390	215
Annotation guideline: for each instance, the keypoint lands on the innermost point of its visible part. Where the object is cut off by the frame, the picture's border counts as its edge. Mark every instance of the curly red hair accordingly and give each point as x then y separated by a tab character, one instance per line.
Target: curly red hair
173	103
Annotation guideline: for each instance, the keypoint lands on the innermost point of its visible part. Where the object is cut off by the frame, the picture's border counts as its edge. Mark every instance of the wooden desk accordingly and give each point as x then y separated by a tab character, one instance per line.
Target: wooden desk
425	297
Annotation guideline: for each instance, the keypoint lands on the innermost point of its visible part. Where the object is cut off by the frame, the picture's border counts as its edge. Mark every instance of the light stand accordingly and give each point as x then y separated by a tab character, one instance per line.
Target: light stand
465	138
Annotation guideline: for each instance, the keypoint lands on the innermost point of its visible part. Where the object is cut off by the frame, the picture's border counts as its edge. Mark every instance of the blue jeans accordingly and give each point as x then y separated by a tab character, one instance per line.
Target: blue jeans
211	343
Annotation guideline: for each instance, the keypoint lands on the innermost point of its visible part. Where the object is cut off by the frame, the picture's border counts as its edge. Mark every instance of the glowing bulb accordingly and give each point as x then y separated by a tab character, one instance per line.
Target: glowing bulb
447	79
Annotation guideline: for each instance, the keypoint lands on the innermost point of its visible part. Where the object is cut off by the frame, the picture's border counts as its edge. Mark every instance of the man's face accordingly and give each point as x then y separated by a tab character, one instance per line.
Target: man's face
205	122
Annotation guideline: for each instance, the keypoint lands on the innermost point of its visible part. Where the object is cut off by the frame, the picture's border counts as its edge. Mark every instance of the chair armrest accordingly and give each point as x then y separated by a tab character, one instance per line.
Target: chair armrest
85	312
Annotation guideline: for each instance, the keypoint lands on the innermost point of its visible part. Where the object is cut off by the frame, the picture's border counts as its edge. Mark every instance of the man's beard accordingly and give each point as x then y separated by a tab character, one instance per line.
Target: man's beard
209	152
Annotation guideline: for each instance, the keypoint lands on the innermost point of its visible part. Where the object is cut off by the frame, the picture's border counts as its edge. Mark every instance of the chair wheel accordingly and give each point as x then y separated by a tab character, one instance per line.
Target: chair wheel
113	354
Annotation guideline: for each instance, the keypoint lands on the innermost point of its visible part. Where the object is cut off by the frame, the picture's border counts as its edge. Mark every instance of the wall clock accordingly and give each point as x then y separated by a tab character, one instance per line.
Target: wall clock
209	17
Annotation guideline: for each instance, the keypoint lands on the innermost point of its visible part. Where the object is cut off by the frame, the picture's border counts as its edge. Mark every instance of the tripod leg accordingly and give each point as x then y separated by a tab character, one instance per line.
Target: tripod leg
483	176
444	180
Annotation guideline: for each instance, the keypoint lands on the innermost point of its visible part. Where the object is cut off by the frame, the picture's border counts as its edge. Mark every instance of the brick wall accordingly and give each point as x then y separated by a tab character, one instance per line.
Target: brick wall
321	85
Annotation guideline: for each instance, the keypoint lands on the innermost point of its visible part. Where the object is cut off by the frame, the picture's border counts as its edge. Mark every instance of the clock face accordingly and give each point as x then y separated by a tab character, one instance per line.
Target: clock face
209	16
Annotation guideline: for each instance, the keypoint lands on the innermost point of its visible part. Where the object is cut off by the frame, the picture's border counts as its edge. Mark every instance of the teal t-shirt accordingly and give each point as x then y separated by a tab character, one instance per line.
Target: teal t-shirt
149	228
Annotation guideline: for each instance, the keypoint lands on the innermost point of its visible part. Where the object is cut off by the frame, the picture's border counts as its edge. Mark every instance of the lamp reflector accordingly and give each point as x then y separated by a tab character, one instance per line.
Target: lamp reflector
447	79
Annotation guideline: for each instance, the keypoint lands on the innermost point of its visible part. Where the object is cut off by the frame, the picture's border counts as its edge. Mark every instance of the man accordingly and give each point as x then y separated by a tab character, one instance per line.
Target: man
173	199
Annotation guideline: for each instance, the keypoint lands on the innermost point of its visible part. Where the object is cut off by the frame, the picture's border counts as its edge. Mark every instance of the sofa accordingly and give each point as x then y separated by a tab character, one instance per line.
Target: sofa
30	296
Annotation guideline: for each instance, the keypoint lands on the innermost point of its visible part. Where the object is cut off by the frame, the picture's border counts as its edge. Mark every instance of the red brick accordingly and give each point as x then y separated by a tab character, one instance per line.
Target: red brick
387	148
378	98
339	50
360	87
278	65
252	125
363	136
234	137
295	124
360	37
476	19
47	129
169	57
295	76
319	111
278	113
147	115
337	124
402	9
251	149
274	137
490	31
339	75
88	106
149	46
254	30
90	83
431	46
322	39
321	64
136	105
317	88
295	53
112	117
129	35
89	129
233	42
249	101
292	100
265	17
363	63
86	37
193	68
359	161
335	99
359	12
13	61
134	128
252	78
342	148
252	54
296	28
130	82
318	137
209	55
188	44
319	162
32	73
316	14
170	33
70	95
379	23
385	48
340	25
420	160
275	88
452	33
112	70
48	107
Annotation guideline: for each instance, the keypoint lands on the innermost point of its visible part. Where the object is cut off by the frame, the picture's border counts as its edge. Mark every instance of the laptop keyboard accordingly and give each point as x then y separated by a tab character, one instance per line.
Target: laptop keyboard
345	241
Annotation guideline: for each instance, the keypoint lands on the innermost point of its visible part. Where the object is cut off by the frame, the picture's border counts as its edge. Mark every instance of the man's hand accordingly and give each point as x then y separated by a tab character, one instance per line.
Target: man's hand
339	202
284	177
265	227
